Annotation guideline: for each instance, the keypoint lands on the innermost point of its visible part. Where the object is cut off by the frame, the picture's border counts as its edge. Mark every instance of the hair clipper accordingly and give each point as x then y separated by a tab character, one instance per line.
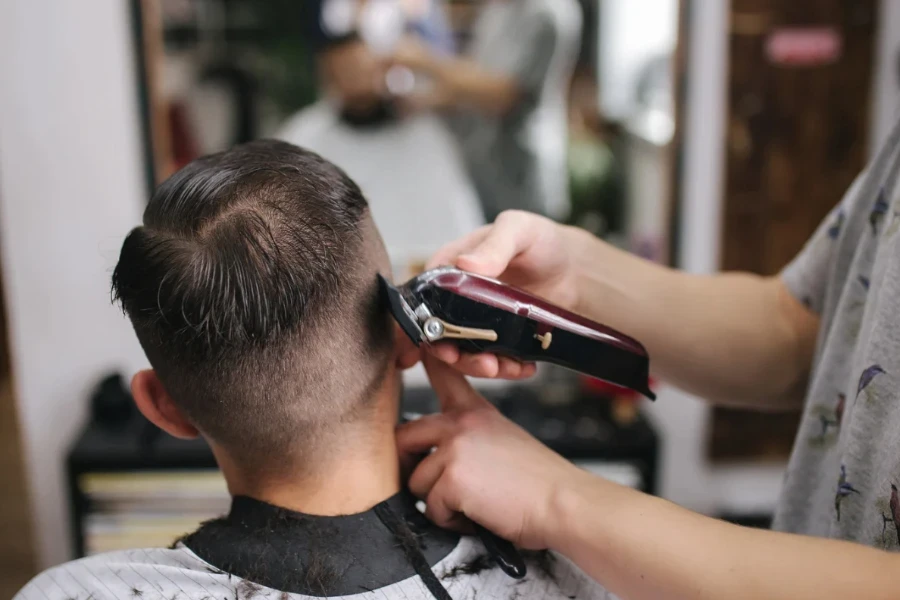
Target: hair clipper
480	314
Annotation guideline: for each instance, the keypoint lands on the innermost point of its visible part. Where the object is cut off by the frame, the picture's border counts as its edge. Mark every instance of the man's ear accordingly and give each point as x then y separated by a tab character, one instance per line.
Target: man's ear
407	354
157	405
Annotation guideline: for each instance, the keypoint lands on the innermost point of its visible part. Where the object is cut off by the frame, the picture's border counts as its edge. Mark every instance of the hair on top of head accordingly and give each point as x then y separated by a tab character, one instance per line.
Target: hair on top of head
251	286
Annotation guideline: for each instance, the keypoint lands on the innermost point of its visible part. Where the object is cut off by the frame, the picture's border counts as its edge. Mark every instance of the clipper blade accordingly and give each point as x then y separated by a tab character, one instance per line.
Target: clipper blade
402	312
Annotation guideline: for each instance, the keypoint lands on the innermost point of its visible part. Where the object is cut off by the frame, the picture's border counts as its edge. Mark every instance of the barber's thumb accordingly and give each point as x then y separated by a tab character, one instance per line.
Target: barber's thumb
419	436
451	387
491	257
481	263
407	354
440	509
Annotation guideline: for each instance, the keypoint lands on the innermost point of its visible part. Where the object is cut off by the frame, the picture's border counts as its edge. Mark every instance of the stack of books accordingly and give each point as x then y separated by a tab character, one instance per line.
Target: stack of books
142	509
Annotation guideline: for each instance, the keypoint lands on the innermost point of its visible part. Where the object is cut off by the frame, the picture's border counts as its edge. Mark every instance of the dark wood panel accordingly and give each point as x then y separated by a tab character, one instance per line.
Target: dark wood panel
796	138
17	549
17	558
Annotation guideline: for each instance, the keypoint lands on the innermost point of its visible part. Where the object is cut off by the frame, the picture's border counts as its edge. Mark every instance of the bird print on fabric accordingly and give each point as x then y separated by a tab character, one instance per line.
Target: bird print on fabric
894	517
844	489
867	376
826	238
829	418
878	211
839	408
854	310
834	231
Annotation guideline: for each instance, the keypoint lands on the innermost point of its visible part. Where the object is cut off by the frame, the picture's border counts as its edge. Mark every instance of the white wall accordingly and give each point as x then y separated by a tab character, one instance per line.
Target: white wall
70	188
631	32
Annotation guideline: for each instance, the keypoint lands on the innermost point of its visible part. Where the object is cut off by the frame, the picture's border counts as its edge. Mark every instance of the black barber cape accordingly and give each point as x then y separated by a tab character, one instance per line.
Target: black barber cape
263	552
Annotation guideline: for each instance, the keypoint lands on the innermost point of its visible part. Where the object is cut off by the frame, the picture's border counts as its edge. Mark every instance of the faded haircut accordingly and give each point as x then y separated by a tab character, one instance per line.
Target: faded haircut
252	288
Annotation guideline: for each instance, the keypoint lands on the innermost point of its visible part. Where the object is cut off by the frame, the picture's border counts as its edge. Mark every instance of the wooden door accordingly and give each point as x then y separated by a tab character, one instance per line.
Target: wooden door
799	98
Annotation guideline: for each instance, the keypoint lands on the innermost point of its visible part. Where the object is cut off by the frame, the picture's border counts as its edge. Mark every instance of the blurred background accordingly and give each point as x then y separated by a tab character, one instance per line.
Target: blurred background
704	134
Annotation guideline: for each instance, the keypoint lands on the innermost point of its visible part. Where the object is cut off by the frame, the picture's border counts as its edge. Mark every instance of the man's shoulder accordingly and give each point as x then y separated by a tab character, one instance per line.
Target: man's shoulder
556	13
125	575
149	574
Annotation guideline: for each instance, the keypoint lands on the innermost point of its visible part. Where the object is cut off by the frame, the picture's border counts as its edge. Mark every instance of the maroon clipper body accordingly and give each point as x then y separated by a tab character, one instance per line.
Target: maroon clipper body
480	314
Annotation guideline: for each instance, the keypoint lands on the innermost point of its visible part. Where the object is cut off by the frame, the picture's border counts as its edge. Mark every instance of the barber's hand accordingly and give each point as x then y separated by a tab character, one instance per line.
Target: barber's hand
524	250
414	54
484	467
433	100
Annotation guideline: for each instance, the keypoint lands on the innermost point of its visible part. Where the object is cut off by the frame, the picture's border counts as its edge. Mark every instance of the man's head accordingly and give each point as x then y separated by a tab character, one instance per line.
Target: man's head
252	288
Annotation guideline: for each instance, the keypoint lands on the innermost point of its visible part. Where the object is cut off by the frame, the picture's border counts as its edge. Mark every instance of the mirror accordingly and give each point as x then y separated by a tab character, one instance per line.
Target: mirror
445	112
589	140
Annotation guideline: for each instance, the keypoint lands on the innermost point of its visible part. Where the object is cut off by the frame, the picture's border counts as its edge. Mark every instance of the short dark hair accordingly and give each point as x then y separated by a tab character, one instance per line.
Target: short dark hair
252	288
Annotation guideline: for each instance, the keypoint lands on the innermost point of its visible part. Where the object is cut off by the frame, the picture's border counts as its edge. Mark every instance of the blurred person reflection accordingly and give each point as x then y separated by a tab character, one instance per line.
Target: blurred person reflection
431	24
351	39
416	183
507	96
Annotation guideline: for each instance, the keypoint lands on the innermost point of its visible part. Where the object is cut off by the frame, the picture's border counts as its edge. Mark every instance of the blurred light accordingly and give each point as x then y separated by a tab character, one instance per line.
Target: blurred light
400	81
382	25
338	17
654	125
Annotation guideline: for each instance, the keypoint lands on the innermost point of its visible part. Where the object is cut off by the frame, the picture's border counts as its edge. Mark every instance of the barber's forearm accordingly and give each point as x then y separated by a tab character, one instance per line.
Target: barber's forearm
470	86
639	546
733	338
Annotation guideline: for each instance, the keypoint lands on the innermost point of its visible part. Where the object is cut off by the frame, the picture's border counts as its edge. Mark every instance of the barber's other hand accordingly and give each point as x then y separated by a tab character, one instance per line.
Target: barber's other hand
484	467
522	249
414	54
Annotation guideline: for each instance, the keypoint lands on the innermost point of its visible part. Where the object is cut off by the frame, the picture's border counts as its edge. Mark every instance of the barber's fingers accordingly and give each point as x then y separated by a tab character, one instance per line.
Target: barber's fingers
478	365
492	366
407	353
447	254
445	351
513	369
473	365
423	434
510	235
454	392
441	510
482	365
426	484
426	474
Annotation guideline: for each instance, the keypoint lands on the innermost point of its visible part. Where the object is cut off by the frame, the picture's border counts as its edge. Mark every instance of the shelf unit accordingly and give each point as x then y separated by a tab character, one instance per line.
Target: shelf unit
131	487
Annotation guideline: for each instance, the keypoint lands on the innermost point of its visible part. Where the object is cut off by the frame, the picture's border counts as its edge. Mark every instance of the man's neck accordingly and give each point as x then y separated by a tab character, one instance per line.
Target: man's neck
347	484
358	470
